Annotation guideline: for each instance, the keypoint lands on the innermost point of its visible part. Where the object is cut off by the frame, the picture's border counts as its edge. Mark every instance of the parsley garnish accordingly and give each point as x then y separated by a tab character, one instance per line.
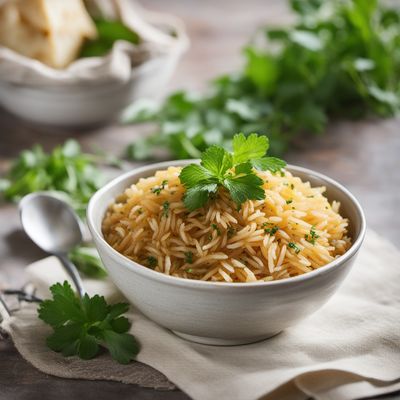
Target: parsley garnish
289	201
157	189
151	261
231	232
215	227
165	208
294	247
312	237
271	231
82	326
189	257
233	171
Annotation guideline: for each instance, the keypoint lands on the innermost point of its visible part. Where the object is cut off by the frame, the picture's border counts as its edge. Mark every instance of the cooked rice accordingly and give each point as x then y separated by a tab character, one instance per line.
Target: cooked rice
293	231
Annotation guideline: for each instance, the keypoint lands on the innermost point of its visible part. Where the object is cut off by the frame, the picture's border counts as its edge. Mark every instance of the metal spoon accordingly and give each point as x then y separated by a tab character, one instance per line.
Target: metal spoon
53	226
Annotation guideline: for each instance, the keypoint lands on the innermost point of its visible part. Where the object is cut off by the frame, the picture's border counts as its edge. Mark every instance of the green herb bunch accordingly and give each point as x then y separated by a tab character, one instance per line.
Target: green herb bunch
108	33
66	170
340	58
233	171
82	326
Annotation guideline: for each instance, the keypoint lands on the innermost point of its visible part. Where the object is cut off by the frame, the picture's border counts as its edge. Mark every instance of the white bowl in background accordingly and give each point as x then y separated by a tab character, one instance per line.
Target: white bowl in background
224	313
91	103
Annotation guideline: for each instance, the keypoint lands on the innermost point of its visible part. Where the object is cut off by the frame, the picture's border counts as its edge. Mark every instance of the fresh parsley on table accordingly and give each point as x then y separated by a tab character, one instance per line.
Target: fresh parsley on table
71	175
339	59
87	261
82	326
233	171
66	169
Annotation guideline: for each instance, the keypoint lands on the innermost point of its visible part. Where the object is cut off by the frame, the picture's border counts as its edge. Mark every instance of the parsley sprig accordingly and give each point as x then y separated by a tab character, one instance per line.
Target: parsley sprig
66	170
233	171
82	326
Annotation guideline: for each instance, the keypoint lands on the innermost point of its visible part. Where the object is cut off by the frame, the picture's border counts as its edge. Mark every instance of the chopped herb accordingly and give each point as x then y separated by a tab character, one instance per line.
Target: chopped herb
292	186
289	201
312	237
151	261
157	189
231	232
271	231
294	247
140	211
215	227
189	270
165	208
189	257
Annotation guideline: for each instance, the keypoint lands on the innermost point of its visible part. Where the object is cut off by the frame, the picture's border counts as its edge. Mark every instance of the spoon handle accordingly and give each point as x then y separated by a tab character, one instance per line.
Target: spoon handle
73	273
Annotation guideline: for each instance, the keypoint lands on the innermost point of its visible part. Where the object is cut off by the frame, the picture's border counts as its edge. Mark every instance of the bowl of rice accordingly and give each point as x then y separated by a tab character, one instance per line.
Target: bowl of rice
222	274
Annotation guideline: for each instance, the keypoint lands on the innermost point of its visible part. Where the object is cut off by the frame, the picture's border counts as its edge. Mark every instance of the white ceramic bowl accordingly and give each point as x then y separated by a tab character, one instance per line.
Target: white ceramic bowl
224	313
95	102
91	104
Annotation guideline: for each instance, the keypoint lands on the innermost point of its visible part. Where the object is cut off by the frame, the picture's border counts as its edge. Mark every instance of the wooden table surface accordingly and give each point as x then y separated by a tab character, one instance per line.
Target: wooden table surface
363	155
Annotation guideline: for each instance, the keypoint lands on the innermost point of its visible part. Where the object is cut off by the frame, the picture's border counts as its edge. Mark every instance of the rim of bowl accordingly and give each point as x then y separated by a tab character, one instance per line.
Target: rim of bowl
143	270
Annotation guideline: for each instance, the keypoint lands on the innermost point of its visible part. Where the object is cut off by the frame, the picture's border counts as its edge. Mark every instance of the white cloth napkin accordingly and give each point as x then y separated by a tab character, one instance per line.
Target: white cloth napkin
349	349
119	65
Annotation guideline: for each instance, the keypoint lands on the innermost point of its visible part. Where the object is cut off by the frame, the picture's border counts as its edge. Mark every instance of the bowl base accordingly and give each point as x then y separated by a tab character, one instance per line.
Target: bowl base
224	342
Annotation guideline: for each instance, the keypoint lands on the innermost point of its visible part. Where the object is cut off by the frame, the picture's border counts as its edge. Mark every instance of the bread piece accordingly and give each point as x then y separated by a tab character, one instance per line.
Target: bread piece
51	31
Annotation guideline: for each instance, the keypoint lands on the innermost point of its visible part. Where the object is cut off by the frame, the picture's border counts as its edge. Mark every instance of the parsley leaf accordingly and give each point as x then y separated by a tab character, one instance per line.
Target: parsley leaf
272	164
232	171
217	161
249	148
197	173
82	326
66	171
197	196
246	187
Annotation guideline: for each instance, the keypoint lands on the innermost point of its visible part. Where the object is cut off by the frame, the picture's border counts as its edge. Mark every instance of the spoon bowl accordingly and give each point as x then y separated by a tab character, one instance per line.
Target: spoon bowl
50	223
54	227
